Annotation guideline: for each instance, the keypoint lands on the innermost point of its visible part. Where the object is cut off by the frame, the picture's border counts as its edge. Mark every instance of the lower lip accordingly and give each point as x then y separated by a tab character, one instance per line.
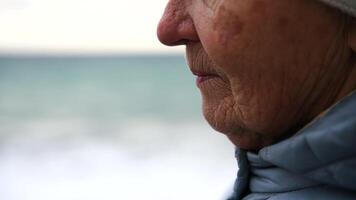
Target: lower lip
201	79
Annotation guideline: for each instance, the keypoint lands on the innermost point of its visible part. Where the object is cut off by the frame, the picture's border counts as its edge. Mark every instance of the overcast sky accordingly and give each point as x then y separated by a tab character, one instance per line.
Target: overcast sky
80	26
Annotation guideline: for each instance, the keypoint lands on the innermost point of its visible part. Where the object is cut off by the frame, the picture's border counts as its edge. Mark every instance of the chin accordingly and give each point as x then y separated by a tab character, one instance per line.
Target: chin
240	137
231	126
249	140
219	112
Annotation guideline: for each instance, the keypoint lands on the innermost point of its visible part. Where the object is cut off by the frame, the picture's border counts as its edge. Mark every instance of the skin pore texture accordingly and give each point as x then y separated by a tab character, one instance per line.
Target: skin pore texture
268	66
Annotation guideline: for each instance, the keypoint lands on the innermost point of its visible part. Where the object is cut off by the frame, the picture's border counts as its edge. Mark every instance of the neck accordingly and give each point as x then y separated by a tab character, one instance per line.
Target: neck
337	85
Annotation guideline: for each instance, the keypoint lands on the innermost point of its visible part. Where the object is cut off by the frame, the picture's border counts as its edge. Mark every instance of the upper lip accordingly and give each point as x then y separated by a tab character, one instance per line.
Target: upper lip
198	62
201	69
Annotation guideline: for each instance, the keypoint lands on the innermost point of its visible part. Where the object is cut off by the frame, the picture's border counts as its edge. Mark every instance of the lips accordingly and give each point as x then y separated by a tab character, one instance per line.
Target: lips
201	79
203	76
200	64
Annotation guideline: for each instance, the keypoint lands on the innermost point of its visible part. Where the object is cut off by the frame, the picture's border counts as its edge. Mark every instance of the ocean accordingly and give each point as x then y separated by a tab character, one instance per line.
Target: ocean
107	127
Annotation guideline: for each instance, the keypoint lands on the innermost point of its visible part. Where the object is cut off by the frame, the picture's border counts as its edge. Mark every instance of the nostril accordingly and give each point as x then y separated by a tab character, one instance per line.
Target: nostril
180	42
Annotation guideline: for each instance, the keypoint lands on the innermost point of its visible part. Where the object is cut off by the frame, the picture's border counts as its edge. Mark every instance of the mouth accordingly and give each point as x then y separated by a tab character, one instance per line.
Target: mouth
201	65
203	77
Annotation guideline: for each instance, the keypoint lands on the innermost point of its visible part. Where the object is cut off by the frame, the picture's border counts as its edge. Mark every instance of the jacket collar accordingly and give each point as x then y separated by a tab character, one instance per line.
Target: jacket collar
324	152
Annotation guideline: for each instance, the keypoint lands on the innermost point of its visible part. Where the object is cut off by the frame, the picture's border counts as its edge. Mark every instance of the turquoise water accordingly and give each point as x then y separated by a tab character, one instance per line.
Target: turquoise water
105	127
122	87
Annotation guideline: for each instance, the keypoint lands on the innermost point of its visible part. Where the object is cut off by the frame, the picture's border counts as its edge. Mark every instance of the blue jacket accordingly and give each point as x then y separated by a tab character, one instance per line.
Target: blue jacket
319	162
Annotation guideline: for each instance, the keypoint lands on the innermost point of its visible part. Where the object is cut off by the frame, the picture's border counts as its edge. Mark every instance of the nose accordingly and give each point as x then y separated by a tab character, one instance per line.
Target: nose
176	26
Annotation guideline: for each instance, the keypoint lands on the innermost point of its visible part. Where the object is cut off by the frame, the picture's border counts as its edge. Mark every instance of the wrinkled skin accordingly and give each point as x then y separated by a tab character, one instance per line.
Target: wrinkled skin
272	65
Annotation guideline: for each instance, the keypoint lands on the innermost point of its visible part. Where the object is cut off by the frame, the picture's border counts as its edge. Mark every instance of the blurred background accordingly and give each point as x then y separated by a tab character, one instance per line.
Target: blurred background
93	107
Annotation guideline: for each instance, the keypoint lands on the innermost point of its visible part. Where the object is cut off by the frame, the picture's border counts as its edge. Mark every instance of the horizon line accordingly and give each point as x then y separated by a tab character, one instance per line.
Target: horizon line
90	54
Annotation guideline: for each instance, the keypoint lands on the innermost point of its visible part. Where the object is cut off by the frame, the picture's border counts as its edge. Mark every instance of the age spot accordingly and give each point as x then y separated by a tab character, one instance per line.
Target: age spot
227	24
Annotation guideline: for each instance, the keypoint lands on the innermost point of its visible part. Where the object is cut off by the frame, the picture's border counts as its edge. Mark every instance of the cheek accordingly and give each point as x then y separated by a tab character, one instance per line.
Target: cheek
230	18
235	40
226	25
268	60
226	35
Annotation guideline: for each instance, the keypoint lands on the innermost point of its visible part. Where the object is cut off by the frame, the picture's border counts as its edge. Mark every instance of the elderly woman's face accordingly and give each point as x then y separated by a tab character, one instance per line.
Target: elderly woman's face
258	62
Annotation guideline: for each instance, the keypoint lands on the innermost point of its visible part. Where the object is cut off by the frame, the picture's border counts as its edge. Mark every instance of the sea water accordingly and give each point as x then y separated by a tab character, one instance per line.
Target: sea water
109	127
